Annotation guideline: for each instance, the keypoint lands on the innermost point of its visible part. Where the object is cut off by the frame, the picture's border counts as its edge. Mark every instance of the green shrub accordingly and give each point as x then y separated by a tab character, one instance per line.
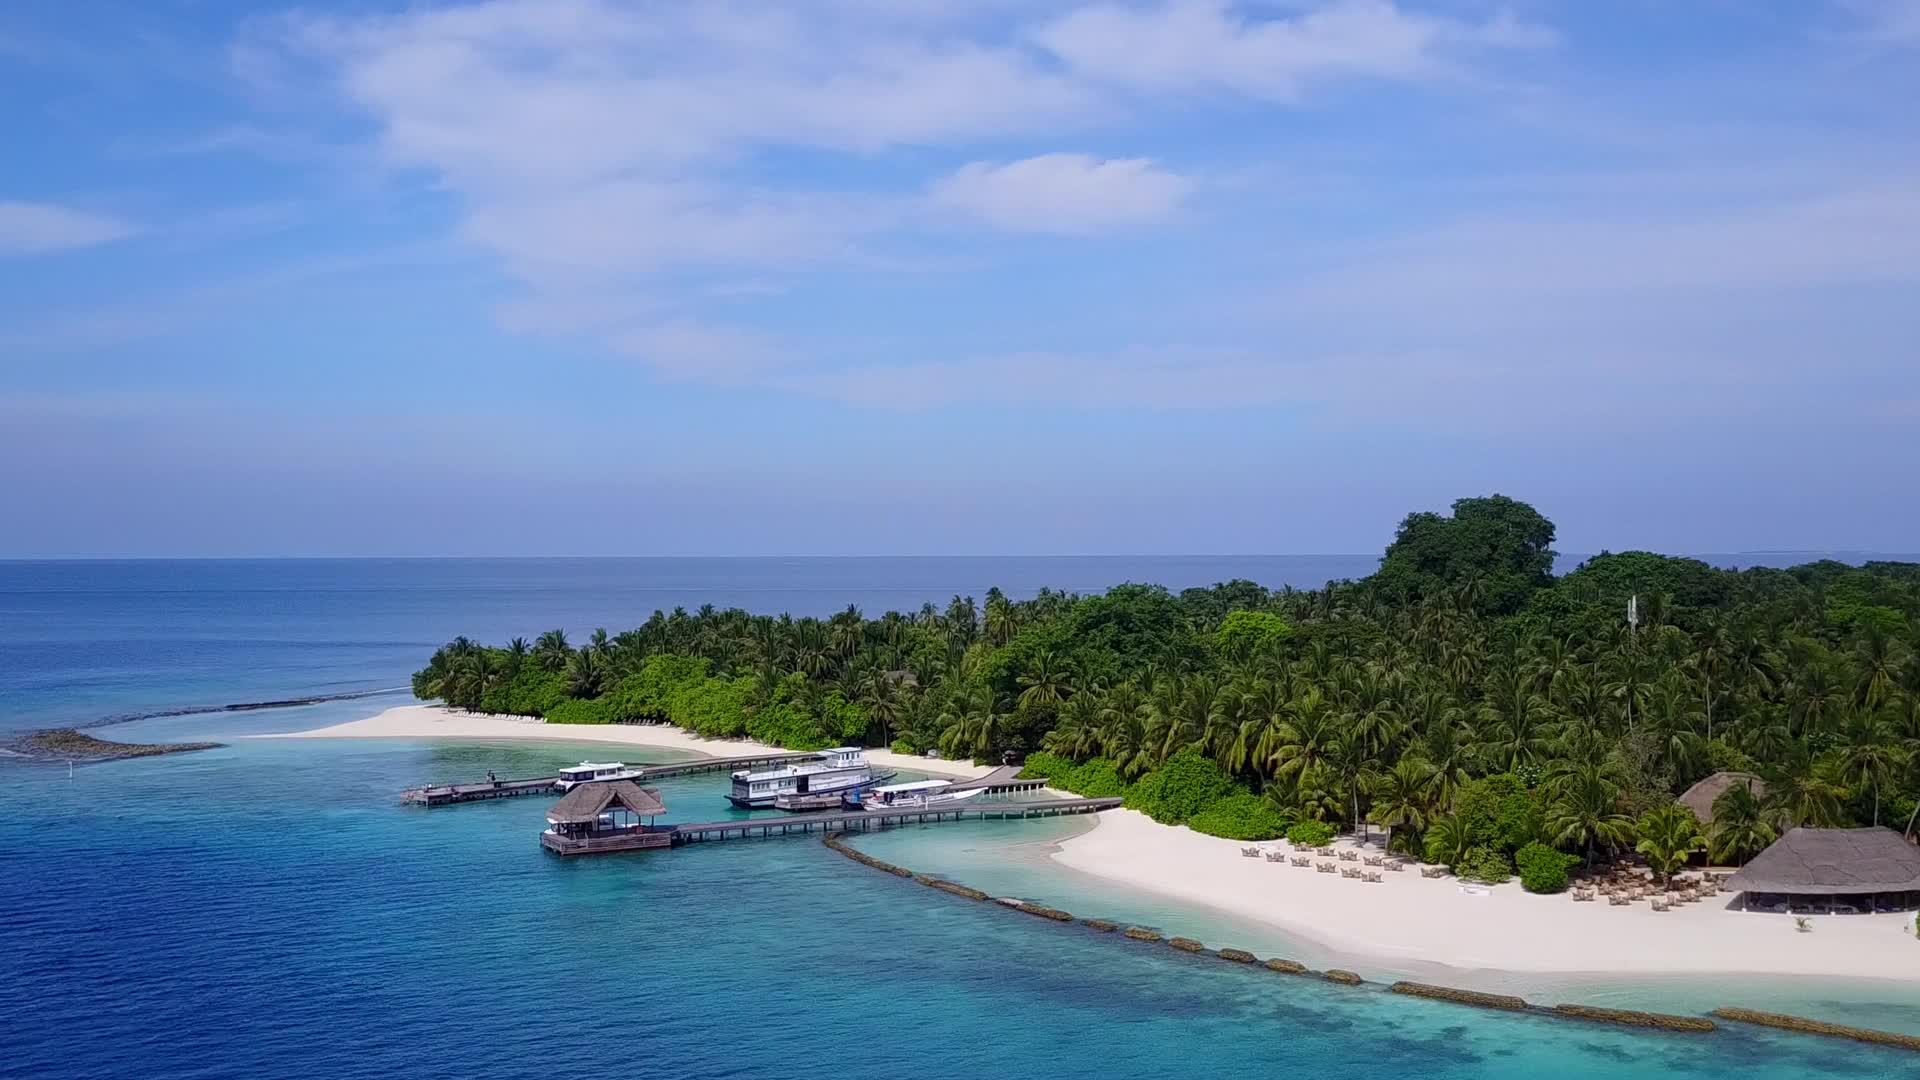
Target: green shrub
580	711
1179	789
1305	834
902	746
1042	765
1240	816
1097	779
1498	811
1486	864
1542	869
531	692
1244	632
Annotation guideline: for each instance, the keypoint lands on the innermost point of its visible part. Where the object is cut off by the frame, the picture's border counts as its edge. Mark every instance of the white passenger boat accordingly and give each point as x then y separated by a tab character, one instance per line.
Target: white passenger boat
837	771
917	795
588	772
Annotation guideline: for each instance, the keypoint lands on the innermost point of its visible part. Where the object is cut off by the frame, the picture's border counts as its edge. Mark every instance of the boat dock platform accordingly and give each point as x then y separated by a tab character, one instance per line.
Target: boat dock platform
866	820
452	794
1004	780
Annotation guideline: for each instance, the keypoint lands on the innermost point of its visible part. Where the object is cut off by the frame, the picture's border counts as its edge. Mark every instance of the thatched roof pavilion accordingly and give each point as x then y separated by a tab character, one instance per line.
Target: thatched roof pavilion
1700	797
1833	862
584	804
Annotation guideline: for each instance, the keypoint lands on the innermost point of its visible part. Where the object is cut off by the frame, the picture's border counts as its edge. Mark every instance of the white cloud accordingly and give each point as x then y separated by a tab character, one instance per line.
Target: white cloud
40	228
685	350
602	148
1064	193
1888	22
1209	45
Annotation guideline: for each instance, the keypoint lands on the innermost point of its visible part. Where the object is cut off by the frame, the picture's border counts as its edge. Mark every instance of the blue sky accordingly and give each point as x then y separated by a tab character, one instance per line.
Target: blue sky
932	276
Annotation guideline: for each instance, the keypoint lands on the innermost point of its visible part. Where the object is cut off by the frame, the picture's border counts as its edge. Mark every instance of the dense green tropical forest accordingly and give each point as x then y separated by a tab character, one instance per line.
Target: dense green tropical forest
1481	711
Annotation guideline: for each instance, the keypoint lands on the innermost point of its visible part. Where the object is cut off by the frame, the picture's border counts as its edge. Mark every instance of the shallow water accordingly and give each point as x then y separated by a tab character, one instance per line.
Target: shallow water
1013	860
269	909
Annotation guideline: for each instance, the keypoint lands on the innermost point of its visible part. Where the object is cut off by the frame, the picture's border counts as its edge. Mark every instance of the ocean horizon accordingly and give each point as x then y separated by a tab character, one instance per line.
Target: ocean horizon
102	641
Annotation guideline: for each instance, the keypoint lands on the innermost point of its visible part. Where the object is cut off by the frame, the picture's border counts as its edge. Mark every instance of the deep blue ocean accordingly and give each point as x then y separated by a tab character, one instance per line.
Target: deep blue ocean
269	909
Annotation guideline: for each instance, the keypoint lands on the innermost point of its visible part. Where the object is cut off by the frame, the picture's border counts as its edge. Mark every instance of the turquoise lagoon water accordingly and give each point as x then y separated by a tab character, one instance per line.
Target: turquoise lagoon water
269	908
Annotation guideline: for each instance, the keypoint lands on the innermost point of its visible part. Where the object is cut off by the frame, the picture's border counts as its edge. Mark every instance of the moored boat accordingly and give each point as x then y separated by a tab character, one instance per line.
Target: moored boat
588	772
917	795
847	798
838	771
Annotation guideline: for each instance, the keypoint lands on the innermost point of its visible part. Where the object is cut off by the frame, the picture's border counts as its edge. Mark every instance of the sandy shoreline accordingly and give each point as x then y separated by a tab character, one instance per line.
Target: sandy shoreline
1406	920
1415	920
436	722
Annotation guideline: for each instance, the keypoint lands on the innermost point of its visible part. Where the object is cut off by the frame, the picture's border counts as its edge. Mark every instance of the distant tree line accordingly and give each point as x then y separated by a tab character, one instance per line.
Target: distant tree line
1484	712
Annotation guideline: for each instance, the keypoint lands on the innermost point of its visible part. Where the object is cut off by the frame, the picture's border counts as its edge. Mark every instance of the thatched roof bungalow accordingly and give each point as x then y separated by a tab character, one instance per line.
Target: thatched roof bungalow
1700	797
1845	867
585	803
606	816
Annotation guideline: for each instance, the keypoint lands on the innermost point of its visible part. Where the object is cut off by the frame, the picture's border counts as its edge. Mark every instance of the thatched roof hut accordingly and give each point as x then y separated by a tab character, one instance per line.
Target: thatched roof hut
584	804
1700	797
1833	862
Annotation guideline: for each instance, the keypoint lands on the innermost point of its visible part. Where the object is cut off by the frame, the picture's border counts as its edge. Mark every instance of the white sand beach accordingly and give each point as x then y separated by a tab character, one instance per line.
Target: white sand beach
1419	921
1405	920
437	722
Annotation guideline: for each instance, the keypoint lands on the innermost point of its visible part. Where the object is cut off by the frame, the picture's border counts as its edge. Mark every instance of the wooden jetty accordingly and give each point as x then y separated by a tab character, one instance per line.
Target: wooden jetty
451	794
866	820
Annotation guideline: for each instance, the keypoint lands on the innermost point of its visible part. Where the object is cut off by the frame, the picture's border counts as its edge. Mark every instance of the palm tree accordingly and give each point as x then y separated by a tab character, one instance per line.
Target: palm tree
1805	792
972	724
1668	834
1629	680
1304	740
1448	841
1586	813
1739	828
1047	682
1002	621
586	674
1077	734
1710	661
1867	756
1877	656
551	650
1513	727
1404	795
1353	761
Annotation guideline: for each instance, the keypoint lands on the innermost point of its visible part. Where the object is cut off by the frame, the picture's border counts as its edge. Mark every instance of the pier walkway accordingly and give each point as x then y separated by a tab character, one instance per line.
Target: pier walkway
450	794
1004	780
865	820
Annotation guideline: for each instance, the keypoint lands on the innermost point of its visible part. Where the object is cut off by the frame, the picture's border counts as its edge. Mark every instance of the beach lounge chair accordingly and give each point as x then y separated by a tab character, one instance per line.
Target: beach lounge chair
1325	867
1618	900
1250	852
1303	860
1349	856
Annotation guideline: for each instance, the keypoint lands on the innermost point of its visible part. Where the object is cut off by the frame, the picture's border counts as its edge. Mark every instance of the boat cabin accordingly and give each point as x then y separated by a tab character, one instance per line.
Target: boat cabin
589	771
913	789
841	769
611	816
